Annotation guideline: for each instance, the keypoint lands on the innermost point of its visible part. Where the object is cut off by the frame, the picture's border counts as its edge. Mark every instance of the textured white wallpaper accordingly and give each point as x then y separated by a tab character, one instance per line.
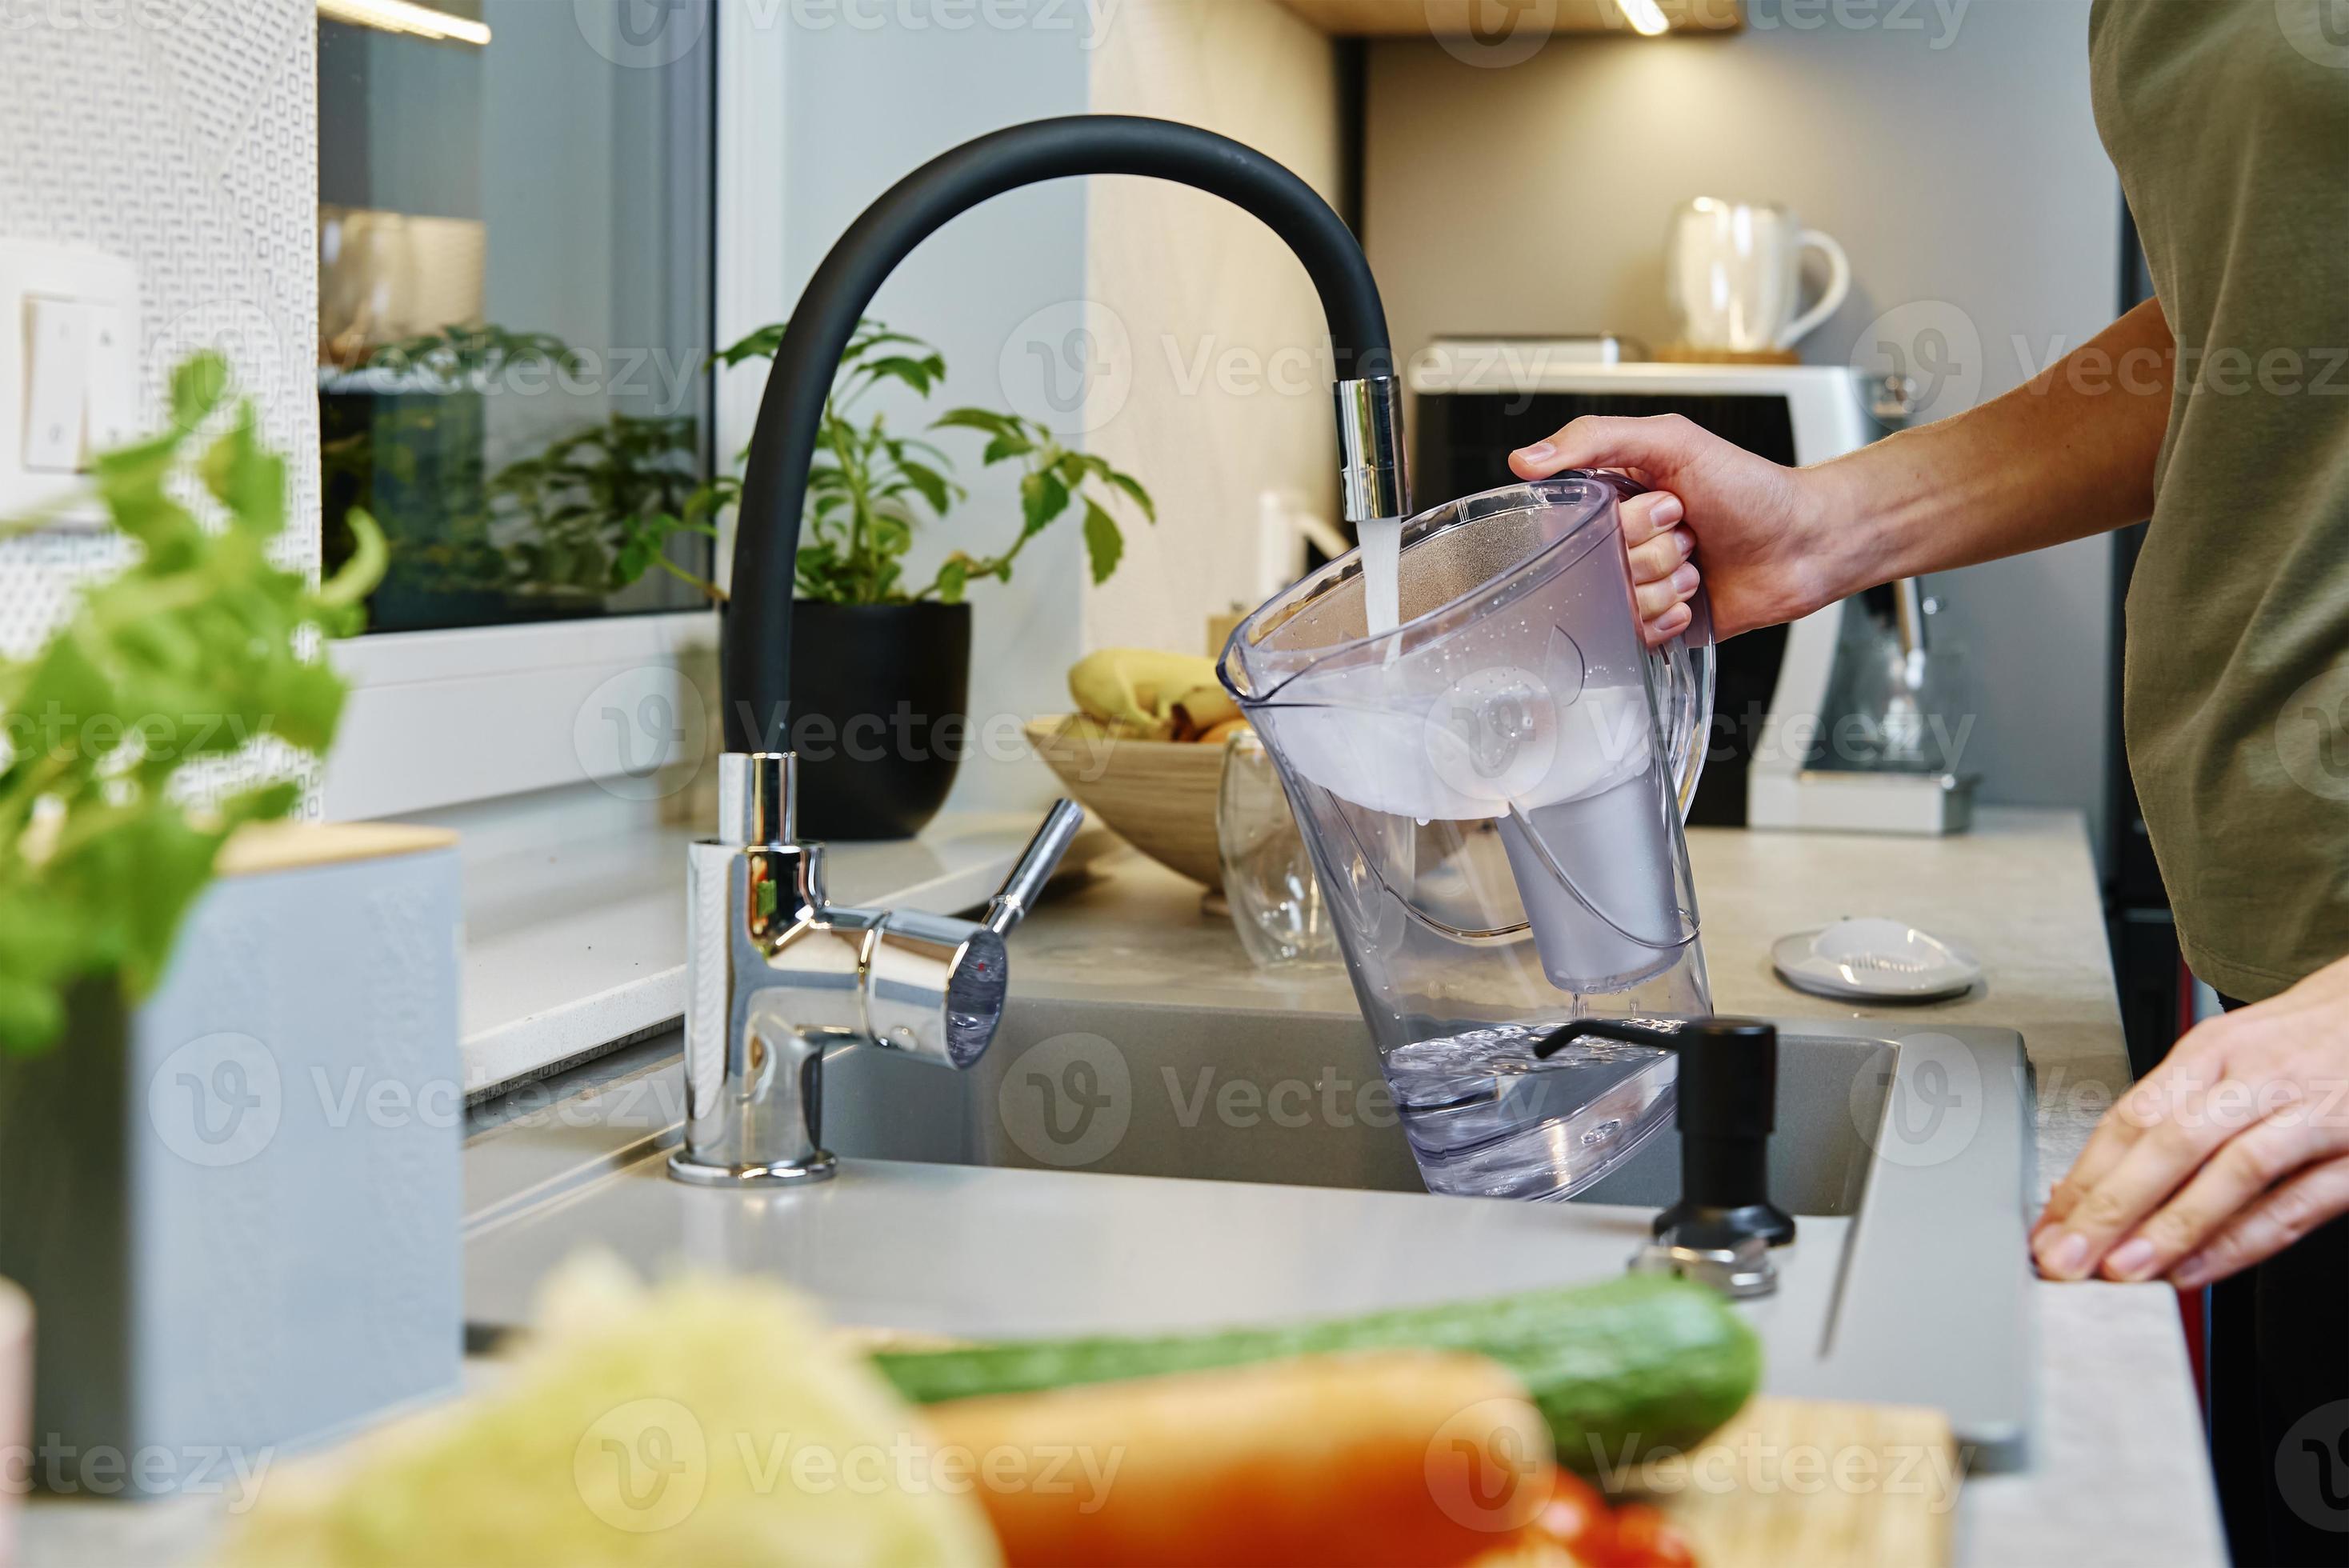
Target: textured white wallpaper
182	134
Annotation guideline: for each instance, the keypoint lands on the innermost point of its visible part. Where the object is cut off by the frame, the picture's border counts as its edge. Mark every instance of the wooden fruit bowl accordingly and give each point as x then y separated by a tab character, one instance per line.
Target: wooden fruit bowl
1157	795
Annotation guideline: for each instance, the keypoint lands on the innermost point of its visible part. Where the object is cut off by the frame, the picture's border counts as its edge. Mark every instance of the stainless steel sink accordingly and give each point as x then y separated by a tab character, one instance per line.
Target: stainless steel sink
1143	1089
1032	1195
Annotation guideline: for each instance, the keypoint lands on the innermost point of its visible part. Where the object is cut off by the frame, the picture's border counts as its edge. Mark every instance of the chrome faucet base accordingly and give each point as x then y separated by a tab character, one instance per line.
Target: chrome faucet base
777	976
694	1172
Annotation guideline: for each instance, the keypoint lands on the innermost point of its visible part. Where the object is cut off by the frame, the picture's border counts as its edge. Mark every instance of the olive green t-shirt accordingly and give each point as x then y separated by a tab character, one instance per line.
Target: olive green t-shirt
2228	120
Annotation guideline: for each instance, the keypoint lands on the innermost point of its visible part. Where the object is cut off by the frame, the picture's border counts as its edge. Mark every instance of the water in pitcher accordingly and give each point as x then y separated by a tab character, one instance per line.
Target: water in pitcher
1488	1119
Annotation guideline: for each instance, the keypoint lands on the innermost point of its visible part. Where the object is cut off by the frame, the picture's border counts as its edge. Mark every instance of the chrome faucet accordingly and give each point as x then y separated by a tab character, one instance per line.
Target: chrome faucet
776	975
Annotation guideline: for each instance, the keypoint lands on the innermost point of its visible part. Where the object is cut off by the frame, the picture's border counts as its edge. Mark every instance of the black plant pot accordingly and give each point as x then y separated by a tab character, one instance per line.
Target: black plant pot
880	699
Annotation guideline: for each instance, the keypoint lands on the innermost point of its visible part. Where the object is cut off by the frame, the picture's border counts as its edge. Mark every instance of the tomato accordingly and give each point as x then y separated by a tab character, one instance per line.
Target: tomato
1635	1535
1644	1538
1577	1518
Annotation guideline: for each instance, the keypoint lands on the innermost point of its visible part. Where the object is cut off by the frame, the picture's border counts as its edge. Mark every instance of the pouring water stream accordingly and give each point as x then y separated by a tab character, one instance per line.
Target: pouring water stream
1381	574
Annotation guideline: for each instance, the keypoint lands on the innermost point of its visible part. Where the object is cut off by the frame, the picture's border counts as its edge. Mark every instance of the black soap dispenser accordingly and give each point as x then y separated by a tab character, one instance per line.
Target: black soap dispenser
1728	1099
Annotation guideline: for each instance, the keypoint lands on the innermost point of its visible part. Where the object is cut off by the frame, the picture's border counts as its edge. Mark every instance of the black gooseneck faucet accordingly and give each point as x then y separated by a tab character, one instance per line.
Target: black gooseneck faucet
774	481
777	975
758	644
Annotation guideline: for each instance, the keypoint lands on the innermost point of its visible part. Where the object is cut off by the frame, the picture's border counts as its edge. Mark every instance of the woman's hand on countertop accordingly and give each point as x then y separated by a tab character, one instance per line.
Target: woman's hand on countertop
2235	1147
1755	527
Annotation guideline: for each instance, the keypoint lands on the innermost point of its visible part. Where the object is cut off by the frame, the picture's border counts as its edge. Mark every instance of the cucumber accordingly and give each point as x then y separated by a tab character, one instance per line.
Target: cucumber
1619	1370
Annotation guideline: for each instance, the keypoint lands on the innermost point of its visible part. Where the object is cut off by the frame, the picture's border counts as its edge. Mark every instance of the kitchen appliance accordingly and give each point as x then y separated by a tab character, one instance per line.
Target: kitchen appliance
1769	761
1475	358
1734	275
1492	792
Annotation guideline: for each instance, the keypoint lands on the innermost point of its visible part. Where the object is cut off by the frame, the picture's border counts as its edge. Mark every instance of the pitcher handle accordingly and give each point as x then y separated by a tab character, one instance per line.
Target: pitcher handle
1682	668
1684	673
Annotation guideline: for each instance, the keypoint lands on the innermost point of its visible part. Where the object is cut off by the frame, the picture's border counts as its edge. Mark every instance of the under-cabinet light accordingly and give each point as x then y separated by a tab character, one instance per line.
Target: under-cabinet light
421	21
1647	17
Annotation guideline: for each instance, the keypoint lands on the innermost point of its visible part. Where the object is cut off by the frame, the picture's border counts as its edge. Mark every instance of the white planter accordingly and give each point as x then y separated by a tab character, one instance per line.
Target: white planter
236	1206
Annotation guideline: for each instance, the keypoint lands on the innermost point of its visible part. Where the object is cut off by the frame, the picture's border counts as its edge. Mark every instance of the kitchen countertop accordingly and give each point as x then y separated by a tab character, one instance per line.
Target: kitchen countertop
2119	1473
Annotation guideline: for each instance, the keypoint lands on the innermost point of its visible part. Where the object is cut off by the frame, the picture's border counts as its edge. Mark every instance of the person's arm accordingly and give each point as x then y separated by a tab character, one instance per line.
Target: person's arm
2068	454
2238	1144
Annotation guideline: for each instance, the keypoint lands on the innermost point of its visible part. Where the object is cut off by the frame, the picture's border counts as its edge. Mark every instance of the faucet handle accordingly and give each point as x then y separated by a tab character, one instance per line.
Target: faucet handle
1038	861
934	986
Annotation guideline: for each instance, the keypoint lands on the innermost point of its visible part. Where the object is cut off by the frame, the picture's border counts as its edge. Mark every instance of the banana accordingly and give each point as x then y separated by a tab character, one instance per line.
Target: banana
1223	732
1204	708
1134	690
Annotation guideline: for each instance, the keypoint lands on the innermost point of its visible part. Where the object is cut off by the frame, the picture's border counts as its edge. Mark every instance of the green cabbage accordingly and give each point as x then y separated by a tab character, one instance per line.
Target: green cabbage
710	1422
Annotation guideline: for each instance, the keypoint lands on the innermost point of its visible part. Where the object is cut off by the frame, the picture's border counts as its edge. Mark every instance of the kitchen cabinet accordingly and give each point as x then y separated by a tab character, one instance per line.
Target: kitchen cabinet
1483	19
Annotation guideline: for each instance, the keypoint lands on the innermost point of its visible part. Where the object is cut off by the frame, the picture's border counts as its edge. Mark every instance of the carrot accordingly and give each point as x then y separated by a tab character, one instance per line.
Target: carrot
1383	1460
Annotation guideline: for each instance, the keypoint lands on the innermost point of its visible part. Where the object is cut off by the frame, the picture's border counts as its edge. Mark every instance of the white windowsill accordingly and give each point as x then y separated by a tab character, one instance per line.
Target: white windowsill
508	710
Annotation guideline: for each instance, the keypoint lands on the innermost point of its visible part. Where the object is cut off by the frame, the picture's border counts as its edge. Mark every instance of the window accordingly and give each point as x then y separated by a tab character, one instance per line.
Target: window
514	266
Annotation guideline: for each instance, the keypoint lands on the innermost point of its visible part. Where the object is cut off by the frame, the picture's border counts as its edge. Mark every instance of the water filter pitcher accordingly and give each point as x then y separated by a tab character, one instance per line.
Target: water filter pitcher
1492	792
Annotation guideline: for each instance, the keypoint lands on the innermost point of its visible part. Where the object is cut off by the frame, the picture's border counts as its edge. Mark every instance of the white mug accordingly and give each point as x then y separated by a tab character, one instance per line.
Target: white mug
1733	271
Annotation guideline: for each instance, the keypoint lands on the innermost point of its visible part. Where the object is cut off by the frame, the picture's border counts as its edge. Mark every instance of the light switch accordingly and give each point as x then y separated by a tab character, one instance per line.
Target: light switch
57	383
72	374
112	411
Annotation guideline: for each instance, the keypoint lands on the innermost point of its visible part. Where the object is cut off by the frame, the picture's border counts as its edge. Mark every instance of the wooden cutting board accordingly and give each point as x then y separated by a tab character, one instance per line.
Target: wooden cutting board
1821	1485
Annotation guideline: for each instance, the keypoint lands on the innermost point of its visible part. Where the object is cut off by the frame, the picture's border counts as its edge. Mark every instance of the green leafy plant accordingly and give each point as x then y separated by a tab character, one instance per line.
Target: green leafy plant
575	521
1055	478
869	489
582	509
457	356
177	662
414	463
866	487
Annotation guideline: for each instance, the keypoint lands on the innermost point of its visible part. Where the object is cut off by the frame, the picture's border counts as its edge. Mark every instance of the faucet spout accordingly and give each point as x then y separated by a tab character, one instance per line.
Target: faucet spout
758	635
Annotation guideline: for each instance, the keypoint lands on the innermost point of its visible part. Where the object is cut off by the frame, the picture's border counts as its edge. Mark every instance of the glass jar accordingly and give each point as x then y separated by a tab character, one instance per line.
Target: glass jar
1276	903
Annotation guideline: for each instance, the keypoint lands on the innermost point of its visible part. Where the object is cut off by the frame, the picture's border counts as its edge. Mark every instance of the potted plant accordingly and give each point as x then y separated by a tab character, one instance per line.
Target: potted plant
405	437
229	1158
570	512
881	665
